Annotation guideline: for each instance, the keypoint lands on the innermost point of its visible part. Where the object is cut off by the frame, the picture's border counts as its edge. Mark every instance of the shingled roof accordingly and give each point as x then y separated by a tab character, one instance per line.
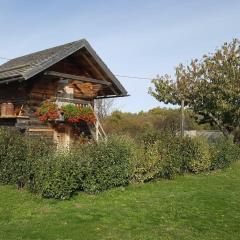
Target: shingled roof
26	67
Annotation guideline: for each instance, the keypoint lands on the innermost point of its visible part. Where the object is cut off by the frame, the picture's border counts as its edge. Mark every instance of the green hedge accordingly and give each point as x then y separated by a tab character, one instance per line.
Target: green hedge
110	164
13	162
157	160
17	155
58	176
90	168
53	174
224	152
195	154
95	167
171	155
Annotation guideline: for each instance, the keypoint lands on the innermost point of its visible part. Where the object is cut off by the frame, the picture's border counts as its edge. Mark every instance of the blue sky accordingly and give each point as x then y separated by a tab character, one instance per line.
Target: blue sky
133	37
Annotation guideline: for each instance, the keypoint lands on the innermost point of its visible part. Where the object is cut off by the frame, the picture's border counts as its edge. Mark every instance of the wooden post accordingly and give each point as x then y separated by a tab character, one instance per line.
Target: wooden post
97	130
97	122
182	119
63	136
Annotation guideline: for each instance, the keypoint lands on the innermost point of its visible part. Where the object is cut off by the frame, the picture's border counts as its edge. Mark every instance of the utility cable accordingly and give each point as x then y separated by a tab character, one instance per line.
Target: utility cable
118	75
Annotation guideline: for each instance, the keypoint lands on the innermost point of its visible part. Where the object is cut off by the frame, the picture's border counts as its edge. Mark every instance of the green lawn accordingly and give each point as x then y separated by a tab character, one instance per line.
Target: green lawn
206	206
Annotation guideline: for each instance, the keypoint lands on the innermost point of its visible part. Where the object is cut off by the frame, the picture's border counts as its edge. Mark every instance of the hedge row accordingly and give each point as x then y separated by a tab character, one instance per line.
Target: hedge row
168	156
93	168
35	165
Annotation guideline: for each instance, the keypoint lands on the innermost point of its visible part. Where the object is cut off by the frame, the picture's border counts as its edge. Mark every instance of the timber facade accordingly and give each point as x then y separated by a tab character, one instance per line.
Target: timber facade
68	74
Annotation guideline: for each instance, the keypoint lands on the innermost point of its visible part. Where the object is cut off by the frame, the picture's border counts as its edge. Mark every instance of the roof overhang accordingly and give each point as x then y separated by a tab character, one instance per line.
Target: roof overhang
29	66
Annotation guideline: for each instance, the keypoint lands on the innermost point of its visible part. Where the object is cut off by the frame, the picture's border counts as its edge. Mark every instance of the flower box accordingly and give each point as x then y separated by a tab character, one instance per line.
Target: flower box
70	113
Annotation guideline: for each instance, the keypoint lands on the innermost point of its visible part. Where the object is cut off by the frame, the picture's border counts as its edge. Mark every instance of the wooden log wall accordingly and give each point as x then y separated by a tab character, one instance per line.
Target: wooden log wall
13	92
31	93
41	89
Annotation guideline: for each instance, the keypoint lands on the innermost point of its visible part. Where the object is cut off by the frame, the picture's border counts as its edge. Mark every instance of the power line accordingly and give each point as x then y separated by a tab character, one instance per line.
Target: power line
4	58
118	75
136	77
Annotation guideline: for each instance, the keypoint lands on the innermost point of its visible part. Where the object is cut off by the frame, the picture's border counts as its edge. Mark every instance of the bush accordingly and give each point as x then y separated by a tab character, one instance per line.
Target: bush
169	156
224	152
96	167
53	174
17	156
195	154
157	160
109	164
146	164
13	165
58	175
148	137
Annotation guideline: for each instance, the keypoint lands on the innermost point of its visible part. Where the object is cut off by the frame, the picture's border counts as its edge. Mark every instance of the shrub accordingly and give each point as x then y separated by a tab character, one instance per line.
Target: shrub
58	175
35	165
146	164
109	164
169	156
17	156
115	162
157	160
173	162
13	165
224	152
196	155
148	137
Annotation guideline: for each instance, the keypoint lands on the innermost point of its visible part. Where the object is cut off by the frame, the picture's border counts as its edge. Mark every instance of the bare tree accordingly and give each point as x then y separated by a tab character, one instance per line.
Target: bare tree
103	107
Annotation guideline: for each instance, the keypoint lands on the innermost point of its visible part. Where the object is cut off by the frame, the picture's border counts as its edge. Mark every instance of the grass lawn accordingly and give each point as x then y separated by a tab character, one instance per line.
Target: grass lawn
205	206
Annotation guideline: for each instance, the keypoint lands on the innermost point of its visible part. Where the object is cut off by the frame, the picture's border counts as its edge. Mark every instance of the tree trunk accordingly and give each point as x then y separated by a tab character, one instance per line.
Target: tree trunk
182	119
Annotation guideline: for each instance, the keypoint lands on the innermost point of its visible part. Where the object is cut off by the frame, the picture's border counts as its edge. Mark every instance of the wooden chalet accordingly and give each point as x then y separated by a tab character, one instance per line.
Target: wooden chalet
68	74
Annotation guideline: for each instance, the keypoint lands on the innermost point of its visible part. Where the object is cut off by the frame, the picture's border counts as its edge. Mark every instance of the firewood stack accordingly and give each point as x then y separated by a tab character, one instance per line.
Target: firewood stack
89	89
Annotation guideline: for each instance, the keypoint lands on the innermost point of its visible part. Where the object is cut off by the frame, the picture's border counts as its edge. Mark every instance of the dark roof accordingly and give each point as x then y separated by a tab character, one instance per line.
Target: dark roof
28	66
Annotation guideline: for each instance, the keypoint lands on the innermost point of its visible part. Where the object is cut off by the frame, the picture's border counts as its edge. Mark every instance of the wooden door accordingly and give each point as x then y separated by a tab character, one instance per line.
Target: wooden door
62	137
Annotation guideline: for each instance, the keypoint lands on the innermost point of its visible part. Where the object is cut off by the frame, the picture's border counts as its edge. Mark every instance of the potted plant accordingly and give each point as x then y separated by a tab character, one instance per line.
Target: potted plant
48	111
74	114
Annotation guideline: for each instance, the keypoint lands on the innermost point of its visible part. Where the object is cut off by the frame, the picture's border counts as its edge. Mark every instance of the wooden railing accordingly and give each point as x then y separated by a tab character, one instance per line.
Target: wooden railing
100	134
